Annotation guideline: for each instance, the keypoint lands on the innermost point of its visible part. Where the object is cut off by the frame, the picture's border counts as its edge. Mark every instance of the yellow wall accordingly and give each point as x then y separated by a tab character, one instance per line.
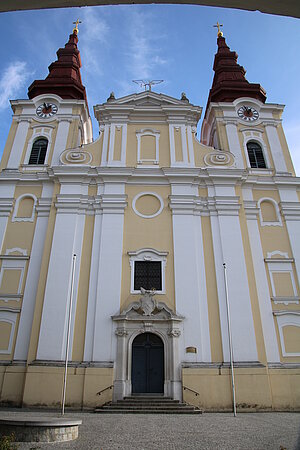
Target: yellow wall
153	233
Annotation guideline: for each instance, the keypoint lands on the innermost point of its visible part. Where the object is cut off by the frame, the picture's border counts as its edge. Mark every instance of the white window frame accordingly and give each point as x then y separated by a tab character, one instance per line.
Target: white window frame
11	318
46	133
148	254
16	208
284	319
255	136
281	264
13	262
278	223
147	132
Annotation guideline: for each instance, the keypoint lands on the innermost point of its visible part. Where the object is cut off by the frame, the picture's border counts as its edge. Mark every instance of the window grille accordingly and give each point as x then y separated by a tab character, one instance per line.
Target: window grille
256	156
38	151
147	274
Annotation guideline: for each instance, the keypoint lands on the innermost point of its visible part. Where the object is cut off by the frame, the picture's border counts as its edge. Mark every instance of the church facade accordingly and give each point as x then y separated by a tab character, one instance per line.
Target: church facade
136	227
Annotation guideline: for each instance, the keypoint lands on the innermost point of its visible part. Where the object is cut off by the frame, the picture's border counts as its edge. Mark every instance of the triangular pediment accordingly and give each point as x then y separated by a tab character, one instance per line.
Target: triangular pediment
148	98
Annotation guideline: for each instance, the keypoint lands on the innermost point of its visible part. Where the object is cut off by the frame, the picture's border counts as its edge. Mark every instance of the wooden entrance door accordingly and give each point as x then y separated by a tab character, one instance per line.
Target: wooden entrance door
147	364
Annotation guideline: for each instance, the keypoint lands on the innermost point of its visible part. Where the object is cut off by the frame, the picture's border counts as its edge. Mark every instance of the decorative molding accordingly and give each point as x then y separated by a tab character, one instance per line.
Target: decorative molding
221	365
121	332
174	332
219	158
35	167
8	255
75	156
285	300
9	309
290	210
251	209
6	206
10	297
153	194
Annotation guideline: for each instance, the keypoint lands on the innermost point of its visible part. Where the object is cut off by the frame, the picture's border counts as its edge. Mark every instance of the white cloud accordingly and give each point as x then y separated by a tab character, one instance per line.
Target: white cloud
13	79
94	32
292	132
144	59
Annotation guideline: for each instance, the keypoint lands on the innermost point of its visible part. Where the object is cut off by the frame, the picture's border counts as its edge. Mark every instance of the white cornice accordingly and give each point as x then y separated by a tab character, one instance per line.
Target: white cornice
147	104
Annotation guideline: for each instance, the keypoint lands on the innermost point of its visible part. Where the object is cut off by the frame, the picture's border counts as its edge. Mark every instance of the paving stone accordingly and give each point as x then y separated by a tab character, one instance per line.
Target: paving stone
209	431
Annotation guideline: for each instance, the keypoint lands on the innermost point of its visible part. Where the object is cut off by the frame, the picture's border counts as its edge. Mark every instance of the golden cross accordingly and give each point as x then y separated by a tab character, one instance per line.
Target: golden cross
220	34
75	30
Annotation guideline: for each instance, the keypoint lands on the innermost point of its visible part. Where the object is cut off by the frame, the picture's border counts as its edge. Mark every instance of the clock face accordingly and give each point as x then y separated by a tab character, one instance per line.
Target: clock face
248	113
46	110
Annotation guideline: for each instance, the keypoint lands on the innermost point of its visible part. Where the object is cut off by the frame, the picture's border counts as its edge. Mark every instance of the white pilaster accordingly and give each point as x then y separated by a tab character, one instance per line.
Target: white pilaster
105	145
60	141
67	240
234	144
190	296
111	144
184	145
276	149
228	245
33	274
190	145
172	145
18	145
108	291
92	296
263	293
219	259
124	144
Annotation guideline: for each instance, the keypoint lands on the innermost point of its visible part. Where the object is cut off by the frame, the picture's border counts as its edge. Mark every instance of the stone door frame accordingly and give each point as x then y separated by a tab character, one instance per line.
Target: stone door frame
161	321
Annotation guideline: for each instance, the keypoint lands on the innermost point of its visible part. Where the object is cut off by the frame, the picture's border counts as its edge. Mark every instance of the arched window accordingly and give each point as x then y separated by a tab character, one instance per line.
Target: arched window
256	156
38	151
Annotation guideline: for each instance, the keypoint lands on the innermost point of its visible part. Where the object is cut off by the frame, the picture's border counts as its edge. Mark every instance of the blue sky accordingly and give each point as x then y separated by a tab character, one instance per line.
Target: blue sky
175	43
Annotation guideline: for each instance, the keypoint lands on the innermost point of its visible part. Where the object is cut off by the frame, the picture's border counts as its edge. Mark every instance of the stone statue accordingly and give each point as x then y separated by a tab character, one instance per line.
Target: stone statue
147	302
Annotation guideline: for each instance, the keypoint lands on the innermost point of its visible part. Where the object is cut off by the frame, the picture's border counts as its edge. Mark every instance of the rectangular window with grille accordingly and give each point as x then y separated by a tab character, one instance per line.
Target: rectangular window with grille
147	274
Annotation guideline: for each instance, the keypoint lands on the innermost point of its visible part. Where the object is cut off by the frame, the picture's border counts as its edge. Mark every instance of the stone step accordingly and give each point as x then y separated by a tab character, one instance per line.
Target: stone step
147	407
142	411
148	397
134	400
128	403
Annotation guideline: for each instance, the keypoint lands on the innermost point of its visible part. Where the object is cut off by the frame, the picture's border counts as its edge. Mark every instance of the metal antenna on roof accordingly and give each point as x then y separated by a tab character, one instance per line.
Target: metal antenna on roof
147	84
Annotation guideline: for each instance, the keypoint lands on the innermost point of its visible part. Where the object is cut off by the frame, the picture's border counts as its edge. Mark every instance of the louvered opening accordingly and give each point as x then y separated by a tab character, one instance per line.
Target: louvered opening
256	156
38	152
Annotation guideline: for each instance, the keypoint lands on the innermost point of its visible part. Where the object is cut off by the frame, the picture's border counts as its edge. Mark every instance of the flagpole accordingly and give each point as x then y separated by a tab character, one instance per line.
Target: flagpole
68	335
230	340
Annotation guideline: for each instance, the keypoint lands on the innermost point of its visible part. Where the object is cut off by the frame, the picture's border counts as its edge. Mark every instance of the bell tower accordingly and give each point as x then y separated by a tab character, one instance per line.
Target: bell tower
55	117
238	119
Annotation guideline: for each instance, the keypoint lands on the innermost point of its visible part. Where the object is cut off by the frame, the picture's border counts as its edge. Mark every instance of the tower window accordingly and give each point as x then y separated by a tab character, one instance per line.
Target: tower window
38	151
147	274
256	156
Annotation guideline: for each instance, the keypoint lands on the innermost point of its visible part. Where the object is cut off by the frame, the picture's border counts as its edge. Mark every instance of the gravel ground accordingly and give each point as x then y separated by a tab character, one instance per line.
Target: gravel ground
259	431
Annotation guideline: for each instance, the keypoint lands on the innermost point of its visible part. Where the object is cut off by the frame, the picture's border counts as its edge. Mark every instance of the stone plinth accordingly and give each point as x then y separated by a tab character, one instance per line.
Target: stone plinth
40	429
